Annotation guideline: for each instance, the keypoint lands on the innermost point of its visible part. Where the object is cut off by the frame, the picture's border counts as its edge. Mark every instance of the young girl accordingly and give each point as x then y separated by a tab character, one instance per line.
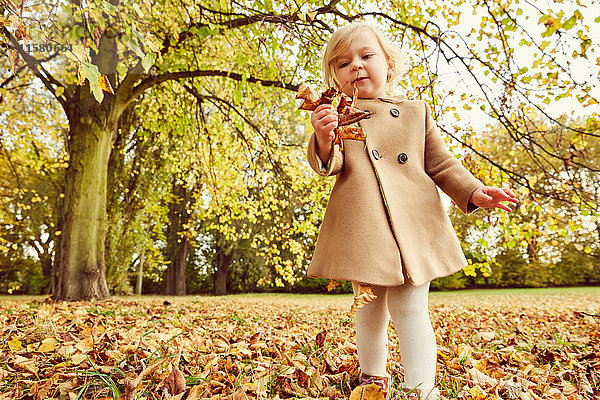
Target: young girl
385	224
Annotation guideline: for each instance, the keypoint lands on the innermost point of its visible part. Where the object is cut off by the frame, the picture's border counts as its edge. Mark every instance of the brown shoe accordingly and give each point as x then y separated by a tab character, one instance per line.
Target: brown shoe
389	392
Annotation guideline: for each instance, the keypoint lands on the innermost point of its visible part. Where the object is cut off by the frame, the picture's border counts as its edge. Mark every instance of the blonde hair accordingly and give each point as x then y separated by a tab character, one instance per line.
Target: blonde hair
339	42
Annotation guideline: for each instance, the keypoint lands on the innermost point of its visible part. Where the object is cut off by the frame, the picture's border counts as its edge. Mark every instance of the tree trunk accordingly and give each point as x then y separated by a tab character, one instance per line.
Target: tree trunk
80	264
47	272
140	273
176	277
222	261
177	242
244	279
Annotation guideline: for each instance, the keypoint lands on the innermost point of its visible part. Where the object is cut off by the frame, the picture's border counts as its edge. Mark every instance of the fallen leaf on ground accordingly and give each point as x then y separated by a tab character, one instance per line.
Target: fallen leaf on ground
275	347
367	392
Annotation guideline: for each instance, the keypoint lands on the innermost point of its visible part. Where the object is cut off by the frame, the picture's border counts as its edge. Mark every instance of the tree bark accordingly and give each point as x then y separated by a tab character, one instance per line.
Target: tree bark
140	273
80	263
177	242
222	261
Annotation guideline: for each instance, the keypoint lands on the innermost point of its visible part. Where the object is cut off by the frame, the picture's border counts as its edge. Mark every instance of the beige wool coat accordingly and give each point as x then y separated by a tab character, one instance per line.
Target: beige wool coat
385	222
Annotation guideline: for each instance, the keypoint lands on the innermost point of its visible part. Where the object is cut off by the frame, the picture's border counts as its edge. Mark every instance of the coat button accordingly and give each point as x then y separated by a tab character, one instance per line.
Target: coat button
402	158
375	154
394	112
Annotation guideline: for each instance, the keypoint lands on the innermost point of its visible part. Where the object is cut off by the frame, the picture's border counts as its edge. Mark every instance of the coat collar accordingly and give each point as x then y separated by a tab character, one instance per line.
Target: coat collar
394	99
399	98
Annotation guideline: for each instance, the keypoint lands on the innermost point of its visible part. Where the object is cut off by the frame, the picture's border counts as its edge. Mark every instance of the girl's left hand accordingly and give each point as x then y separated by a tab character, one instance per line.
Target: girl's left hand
490	197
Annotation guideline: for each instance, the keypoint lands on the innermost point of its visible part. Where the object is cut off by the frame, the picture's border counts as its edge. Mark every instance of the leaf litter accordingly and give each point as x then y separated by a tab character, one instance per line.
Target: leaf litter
253	347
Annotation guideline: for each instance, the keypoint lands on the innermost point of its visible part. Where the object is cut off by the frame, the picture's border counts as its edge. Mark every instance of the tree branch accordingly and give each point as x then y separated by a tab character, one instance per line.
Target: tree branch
35	66
156	80
243	21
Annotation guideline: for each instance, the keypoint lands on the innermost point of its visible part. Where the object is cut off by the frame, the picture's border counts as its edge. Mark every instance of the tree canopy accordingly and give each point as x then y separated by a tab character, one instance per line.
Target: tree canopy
165	134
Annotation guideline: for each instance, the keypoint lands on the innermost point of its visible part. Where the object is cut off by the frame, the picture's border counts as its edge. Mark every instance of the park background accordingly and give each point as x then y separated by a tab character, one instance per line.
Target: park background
156	147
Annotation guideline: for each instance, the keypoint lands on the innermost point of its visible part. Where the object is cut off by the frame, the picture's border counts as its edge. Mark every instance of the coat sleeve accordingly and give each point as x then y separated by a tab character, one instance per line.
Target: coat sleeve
447	172
334	164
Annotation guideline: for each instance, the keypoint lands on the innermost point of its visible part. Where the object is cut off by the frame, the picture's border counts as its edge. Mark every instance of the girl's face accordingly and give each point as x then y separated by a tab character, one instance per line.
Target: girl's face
363	64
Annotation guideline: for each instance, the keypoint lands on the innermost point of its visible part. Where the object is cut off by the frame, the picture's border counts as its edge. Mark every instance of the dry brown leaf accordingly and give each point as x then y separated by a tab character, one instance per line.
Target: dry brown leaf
330	392
86	345
48	345
321	339
317	381
367	392
40	390
303	378
193	393
22	32
484	336
254	338
104	84
346	113
131	385
26	364
175	382
98	32
364	295
538	365
510	390
80	77
332	285
480	378
584	386
308	94
14	59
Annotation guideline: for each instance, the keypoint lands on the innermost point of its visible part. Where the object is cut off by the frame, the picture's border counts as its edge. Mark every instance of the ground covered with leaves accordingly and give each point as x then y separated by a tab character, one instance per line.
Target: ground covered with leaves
540	344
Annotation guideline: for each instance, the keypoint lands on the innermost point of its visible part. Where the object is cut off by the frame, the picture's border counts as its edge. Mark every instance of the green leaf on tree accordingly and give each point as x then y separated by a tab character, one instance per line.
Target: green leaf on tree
548	32
76	33
237	97
570	23
135	47
109	8
148	61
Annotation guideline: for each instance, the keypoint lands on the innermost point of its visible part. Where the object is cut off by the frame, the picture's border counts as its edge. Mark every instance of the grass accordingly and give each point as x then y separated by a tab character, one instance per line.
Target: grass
594	290
458	296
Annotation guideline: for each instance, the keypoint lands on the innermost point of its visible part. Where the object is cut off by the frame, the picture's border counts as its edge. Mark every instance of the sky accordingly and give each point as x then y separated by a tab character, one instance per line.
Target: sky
582	69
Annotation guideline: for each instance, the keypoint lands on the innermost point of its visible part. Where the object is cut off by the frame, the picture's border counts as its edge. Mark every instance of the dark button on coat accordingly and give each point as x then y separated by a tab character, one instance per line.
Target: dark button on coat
385	221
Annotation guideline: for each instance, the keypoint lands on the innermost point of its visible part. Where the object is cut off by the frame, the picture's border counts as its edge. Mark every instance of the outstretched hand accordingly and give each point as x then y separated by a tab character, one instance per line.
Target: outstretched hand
490	197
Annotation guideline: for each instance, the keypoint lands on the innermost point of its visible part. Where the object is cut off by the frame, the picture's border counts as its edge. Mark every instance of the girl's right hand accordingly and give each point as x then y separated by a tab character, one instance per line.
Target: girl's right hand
324	121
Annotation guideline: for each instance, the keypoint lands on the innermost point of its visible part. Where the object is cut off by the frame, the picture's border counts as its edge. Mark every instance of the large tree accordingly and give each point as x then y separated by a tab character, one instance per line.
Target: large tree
110	52
226	54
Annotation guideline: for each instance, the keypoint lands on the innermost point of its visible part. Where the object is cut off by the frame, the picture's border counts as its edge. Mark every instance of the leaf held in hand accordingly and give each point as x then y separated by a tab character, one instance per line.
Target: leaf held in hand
346	113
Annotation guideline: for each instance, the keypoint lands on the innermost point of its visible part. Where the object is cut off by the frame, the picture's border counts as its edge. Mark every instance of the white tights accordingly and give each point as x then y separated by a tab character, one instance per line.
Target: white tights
408	307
